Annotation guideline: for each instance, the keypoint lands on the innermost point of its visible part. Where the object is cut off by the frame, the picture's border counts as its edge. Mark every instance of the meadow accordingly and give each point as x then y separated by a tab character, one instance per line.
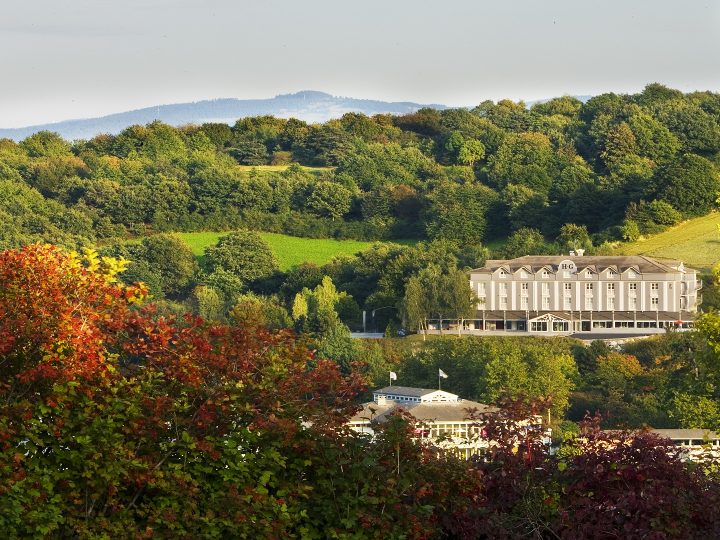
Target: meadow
289	250
696	242
280	168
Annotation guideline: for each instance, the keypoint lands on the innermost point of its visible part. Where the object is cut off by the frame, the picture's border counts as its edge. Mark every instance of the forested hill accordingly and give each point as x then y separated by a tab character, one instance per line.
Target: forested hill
616	167
309	106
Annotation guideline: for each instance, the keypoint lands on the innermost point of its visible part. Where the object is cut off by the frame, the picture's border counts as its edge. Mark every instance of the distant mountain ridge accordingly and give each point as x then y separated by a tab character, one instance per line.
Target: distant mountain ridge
311	106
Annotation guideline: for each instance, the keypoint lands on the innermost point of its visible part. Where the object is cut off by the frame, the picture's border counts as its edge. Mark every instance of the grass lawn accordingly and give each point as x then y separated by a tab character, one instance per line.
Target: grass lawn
280	168
696	242
289	250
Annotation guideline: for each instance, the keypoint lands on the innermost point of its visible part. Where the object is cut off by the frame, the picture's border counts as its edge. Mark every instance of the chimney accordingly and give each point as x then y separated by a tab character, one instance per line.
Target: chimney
580	252
572	253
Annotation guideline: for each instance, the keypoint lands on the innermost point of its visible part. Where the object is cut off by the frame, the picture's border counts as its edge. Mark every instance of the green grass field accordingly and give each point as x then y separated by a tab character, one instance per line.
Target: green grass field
280	168
696	242
289	250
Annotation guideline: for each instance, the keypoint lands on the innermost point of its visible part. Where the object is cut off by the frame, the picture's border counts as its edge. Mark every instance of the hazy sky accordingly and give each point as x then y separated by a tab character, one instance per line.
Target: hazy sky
79	58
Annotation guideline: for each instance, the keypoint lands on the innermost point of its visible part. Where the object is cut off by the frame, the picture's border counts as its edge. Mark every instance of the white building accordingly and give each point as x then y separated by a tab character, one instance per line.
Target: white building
442	417
574	293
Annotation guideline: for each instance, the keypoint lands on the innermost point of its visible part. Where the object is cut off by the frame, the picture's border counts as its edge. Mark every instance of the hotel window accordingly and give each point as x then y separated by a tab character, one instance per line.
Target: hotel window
524	289
481	289
503	302
523	274
633	288
654	302
588	274
588	303
611	302
545	289
502	274
589	289
611	289
612	273
545	274
568	288
654	288
523	302
568	303
632	303
546	302
503	288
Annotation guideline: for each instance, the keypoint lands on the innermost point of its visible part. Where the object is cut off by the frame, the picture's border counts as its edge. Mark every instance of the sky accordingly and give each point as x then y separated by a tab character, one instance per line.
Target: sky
65	59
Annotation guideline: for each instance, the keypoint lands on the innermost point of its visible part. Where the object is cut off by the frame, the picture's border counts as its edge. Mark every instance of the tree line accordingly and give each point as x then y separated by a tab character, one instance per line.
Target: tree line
618	165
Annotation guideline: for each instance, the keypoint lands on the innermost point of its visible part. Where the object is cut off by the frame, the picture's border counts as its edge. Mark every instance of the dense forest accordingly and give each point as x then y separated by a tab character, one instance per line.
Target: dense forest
619	165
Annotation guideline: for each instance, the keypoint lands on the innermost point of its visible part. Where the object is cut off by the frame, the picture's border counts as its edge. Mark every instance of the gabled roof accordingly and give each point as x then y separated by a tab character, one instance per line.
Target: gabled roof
639	263
525	267
612	267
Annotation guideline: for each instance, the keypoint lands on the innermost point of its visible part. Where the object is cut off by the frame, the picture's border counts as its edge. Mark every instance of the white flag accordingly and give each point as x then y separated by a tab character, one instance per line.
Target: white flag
442	374
393	376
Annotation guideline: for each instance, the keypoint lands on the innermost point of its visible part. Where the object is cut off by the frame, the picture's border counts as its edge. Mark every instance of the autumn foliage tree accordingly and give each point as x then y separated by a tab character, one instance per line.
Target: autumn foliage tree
60	314
116	420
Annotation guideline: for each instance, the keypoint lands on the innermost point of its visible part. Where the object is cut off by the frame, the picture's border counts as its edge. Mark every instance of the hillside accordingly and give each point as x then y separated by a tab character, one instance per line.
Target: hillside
696	242
309	106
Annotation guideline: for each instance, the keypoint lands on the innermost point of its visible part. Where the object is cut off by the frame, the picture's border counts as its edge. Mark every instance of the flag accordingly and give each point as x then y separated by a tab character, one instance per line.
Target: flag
442	374
393	376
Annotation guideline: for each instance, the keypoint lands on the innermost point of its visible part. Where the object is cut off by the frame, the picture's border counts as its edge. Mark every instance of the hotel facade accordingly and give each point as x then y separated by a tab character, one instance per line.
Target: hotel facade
580	294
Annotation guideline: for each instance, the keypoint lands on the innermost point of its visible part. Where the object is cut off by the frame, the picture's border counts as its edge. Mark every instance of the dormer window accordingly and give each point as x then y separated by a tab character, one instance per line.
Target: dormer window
632	274
612	273
502	274
588	274
523	274
545	274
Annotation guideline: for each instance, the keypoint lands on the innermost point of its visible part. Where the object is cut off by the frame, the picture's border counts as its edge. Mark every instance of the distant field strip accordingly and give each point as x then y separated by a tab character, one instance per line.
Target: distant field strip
289	250
696	242
281	168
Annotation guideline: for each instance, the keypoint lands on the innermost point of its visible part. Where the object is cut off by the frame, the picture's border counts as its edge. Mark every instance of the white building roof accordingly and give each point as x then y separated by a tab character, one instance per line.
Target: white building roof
408	393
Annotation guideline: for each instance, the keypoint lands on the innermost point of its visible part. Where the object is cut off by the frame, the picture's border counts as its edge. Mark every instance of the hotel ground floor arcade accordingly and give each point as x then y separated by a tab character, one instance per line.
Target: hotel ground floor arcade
565	322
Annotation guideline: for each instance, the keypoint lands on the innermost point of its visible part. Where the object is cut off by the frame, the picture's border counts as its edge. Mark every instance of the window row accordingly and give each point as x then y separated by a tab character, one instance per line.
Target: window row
568	287
631	304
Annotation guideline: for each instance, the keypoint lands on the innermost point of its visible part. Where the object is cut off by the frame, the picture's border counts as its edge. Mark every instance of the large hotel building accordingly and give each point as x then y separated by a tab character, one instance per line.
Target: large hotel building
576	293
